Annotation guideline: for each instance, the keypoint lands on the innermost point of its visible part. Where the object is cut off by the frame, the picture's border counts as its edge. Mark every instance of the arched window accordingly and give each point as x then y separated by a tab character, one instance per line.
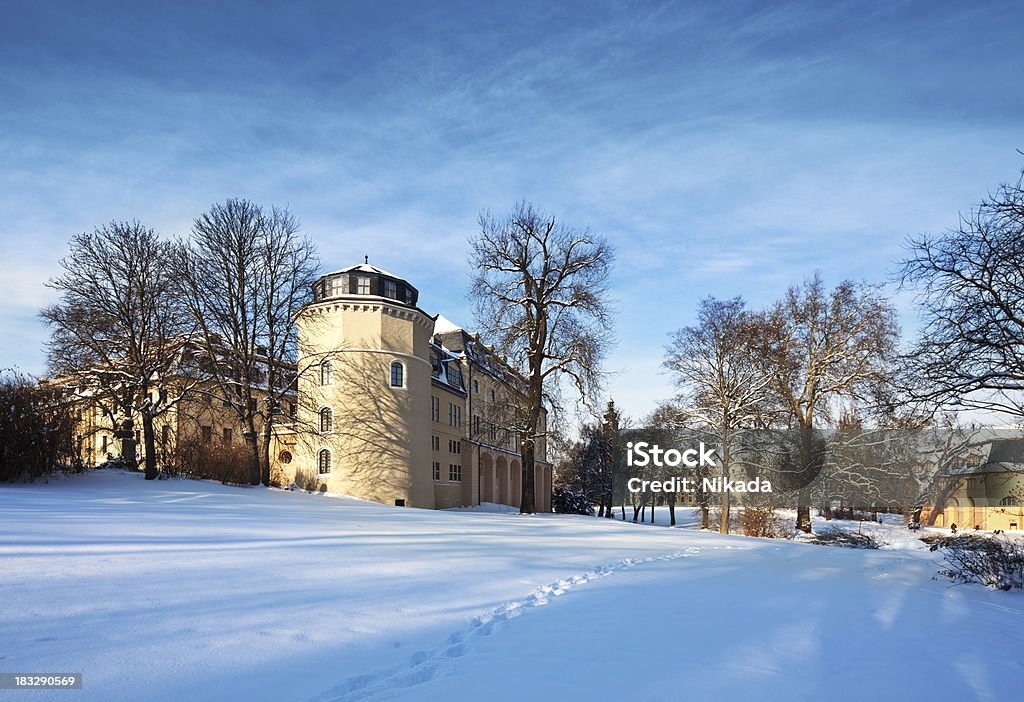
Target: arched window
397	374
326	373
326	420
1008	501
324	463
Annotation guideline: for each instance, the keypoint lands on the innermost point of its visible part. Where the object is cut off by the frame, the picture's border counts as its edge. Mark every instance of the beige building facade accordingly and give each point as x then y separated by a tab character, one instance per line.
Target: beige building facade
399	406
991	494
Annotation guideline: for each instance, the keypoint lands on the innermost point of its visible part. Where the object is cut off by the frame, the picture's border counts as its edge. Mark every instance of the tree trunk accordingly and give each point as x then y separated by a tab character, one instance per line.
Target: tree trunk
803	496
149	442
705	517
527	504
253	444
672	510
723	526
268	435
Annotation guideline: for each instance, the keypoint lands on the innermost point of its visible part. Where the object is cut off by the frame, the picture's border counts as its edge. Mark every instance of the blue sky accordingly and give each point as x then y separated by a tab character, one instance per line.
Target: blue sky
724	148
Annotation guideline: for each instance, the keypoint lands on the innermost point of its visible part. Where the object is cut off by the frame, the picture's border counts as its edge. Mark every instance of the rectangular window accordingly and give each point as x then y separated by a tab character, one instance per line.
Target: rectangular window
435	443
228	436
454	415
338	286
493	433
103	444
455	472
165	435
494	397
207	432
390	289
476	386
435	408
454	446
363	286
476	425
437	470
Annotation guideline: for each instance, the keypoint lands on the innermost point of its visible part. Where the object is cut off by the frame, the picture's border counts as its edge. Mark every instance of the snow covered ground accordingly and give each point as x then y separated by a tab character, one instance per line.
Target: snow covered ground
183	590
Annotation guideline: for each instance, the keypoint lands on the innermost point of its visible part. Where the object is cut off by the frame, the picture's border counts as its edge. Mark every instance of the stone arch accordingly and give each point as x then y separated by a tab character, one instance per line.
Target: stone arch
486	477
501	480
516	492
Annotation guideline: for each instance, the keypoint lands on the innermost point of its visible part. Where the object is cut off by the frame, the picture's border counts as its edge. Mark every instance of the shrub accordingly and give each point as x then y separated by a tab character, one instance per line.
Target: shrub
566	501
994	561
194	459
846	539
762	522
36	425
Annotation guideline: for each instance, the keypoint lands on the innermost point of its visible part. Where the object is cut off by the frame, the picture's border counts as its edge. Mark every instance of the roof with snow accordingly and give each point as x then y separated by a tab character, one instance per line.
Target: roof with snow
443	325
365	268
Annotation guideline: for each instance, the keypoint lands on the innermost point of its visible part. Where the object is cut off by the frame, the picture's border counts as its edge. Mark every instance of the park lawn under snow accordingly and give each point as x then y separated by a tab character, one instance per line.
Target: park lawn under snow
183	590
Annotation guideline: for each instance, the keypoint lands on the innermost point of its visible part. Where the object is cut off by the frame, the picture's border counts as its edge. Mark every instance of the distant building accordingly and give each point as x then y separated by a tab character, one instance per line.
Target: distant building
991	494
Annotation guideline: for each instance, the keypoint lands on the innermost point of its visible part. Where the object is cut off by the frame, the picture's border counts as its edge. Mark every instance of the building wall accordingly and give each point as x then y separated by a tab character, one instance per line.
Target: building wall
977	503
379	442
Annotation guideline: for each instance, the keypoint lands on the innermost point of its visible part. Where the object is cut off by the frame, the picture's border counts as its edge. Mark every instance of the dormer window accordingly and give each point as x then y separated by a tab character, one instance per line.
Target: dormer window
338	287
362	285
390	289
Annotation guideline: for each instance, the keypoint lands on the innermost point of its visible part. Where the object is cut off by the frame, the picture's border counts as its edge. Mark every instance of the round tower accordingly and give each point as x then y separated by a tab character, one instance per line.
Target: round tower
363	415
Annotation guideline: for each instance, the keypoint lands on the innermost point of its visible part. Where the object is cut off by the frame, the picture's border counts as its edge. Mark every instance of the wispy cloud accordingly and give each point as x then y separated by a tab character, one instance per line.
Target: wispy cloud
724	148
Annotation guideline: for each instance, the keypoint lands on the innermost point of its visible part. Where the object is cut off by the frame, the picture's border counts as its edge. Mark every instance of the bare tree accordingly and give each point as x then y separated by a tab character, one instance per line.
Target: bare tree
971	293
245	275
725	387
819	346
540	296
120	328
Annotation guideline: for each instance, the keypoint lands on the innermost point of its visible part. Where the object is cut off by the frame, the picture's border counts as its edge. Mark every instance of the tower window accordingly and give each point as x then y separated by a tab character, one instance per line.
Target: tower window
390	289
362	286
326	420
1008	501
324	462
326	373
397	374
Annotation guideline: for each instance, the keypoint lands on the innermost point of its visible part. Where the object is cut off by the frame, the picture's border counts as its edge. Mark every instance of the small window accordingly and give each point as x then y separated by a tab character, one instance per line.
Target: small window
435	443
454	415
338	287
207	432
476	386
437	470
326	373
390	289
285	457
165	435
435	408
326	420
228	436
476	425
1008	501
324	463
494	396
397	374
363	286
455	472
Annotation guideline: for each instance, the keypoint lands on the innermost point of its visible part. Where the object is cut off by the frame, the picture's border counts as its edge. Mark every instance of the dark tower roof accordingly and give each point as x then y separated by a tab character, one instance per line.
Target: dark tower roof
364	280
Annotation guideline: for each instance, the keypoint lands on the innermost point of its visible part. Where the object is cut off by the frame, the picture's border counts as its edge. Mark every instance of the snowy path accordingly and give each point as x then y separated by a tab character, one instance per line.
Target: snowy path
426	665
181	590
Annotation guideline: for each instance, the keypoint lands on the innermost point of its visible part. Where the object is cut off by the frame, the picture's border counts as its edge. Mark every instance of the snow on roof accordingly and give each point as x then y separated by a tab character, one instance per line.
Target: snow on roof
366	268
443	325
